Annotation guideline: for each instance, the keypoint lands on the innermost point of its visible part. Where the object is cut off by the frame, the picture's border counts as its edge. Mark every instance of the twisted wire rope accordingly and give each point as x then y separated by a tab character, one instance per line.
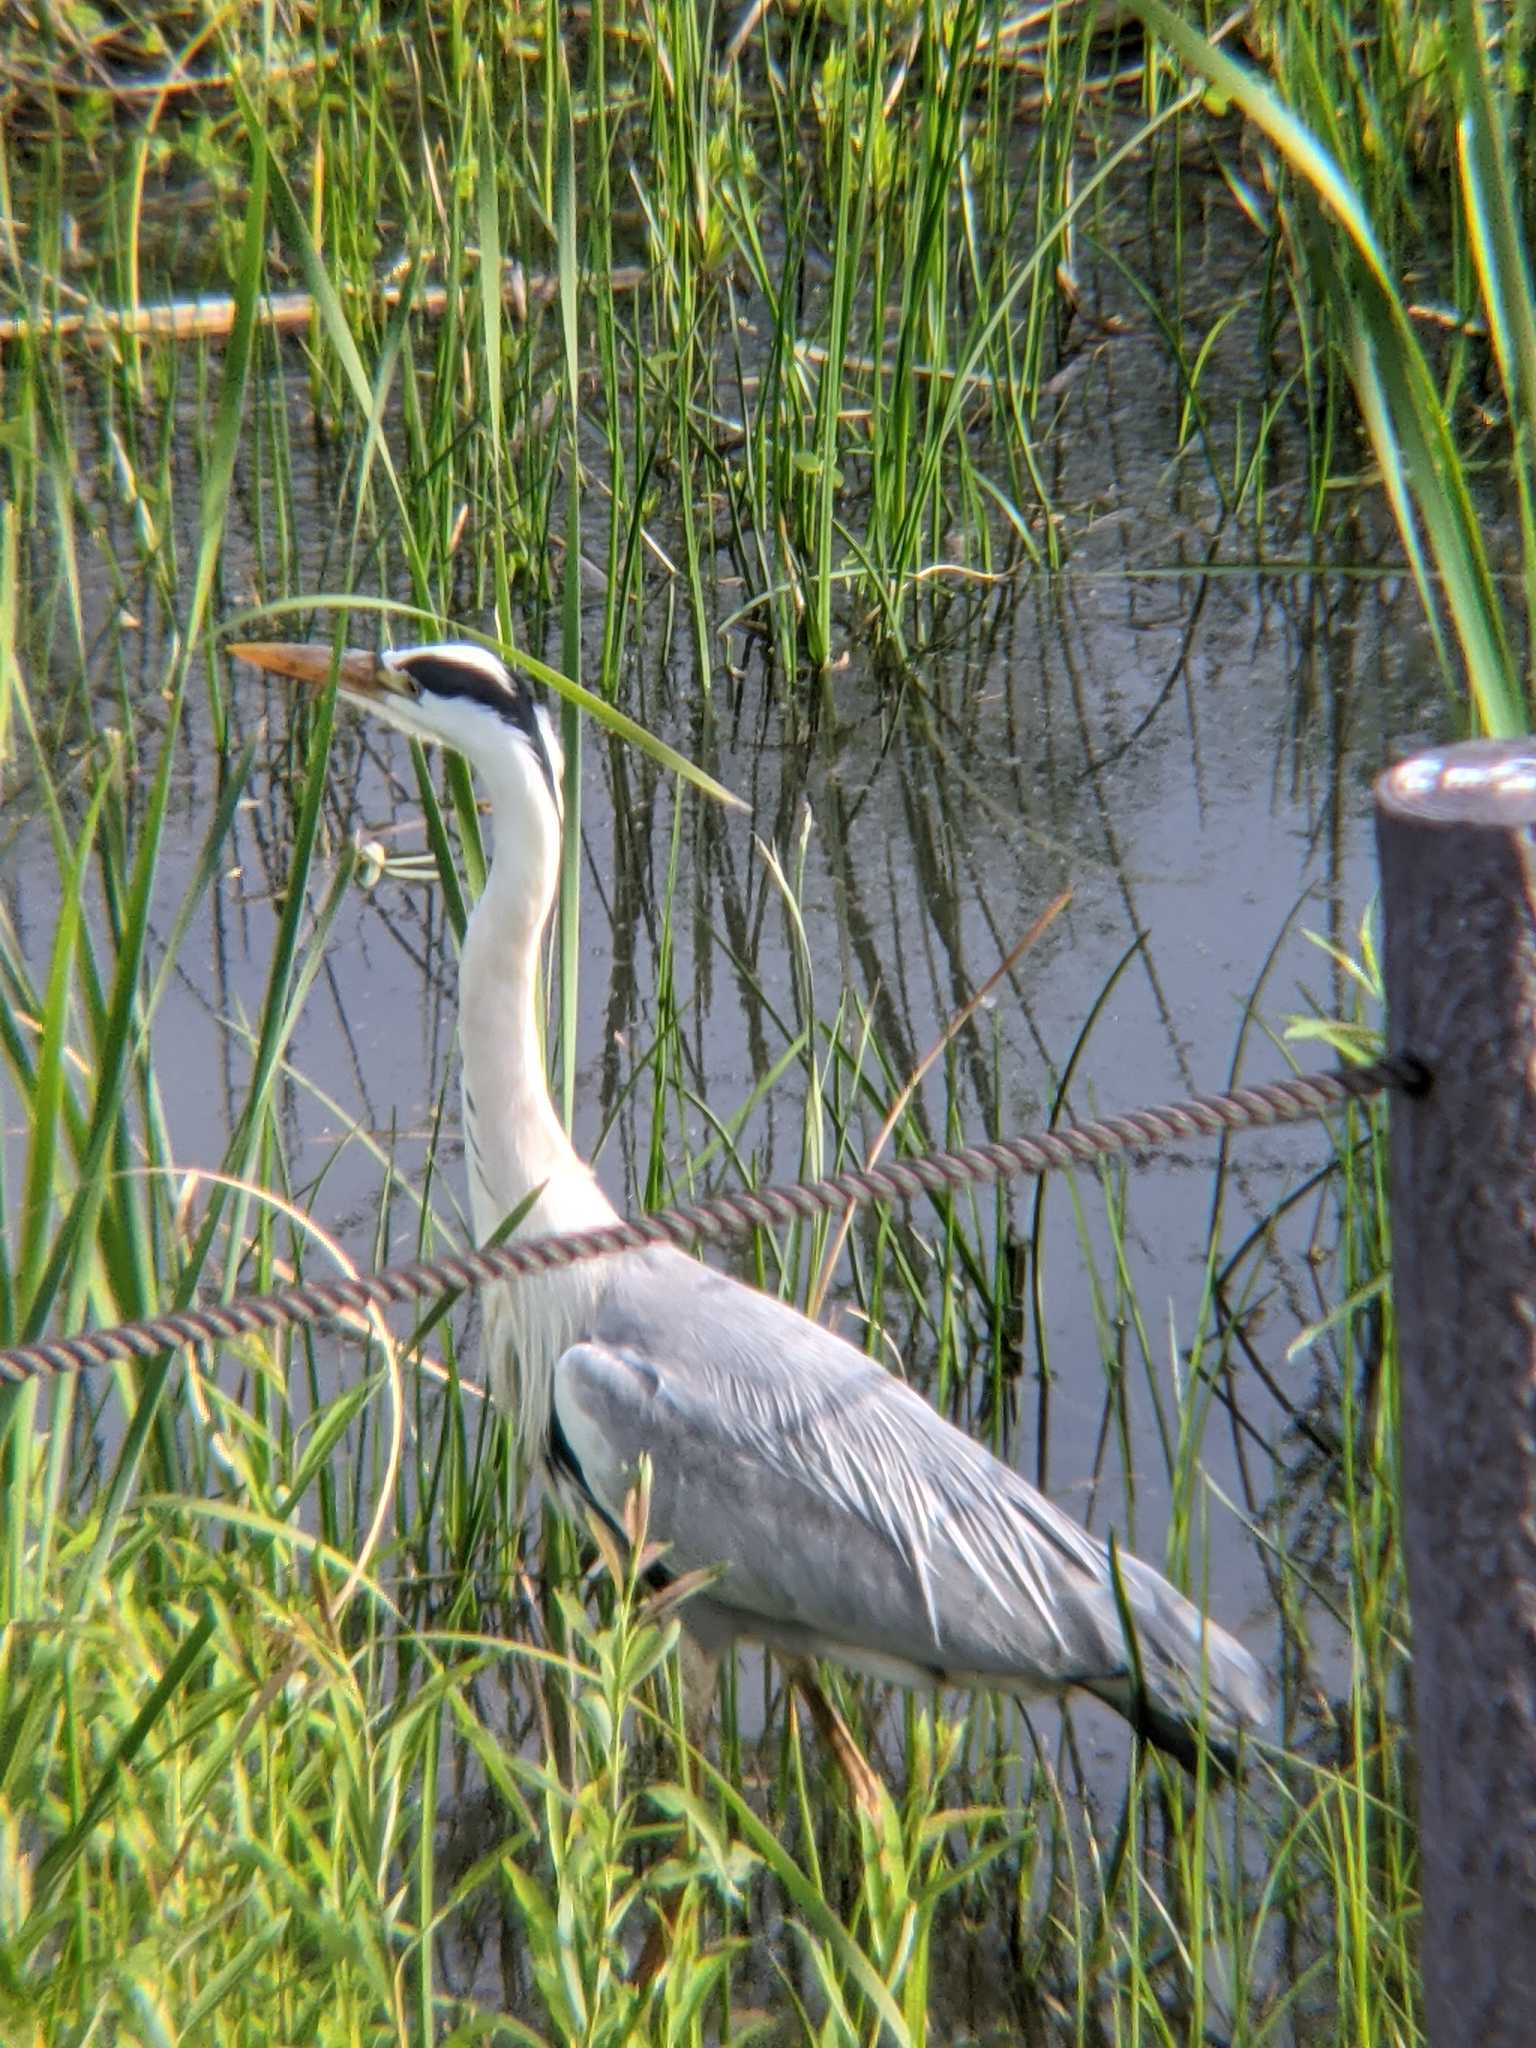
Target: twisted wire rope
1261	1106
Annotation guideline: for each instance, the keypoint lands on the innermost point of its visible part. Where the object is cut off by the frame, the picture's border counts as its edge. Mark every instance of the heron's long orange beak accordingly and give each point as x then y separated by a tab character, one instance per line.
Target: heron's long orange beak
364	675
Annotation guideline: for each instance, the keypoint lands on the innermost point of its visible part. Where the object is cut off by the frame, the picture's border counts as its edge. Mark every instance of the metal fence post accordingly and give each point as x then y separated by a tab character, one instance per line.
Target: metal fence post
1456	829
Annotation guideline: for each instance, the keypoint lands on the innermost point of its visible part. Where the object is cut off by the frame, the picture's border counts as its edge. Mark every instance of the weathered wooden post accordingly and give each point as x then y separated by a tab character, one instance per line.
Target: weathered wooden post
1456	829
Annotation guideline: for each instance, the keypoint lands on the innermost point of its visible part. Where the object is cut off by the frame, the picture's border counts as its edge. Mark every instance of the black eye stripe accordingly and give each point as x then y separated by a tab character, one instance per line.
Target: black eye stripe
440	677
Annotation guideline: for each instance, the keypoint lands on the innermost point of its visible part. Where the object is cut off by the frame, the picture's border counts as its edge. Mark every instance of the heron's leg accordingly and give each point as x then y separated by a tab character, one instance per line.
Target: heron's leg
863	1780
698	1666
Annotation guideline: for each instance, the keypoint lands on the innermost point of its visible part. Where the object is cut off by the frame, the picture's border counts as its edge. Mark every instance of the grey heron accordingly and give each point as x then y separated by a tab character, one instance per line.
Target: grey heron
847	1518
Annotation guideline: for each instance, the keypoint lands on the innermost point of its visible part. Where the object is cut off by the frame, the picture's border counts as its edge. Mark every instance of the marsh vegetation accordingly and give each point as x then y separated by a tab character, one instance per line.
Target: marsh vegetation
1018	454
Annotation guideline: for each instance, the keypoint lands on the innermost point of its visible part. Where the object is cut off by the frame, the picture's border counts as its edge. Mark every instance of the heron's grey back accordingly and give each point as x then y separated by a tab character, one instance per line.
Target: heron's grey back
853	1516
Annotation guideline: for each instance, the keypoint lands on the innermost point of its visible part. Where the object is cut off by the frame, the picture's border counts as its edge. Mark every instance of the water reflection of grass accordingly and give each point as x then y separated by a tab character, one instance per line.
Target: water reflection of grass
255	1628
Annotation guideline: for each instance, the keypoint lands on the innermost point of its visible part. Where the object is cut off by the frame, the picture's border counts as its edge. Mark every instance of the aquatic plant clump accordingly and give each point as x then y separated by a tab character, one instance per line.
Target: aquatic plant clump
1032	459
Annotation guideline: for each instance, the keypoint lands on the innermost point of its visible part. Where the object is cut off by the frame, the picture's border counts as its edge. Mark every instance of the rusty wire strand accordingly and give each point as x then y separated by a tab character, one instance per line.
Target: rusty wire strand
1260	1107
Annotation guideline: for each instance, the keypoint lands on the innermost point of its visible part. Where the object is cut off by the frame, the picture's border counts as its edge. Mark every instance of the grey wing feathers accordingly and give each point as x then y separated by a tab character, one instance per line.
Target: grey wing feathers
851	1516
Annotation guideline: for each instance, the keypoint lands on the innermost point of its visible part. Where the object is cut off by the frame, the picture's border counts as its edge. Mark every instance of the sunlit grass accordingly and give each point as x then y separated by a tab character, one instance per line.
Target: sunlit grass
1344	219
743	356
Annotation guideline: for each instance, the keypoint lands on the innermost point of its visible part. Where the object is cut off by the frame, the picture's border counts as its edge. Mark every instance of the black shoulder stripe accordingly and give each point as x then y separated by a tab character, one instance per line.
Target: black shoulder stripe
562	1463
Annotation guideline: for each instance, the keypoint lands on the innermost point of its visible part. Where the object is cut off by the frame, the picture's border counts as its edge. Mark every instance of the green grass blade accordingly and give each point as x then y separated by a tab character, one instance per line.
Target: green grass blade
1413	409
569	277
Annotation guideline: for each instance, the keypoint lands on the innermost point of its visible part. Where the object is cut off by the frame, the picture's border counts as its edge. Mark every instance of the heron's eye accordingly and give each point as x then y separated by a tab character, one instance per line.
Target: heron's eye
479	679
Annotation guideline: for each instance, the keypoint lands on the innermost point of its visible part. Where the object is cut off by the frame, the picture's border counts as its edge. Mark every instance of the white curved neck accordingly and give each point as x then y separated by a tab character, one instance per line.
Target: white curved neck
513	1138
